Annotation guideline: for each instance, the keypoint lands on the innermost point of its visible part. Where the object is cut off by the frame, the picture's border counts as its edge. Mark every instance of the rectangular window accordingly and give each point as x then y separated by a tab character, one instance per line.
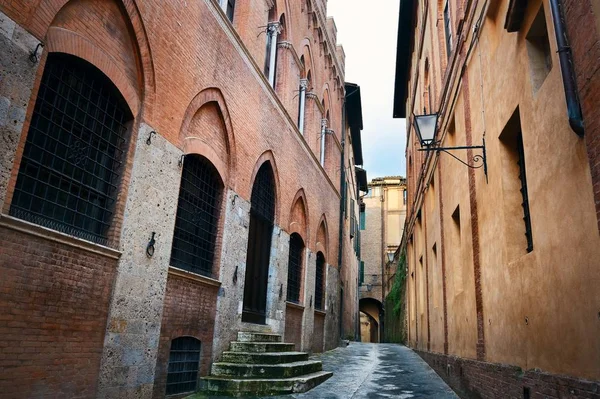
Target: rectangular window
361	273
352	219
230	9
538	49
363	220
448	29
518	232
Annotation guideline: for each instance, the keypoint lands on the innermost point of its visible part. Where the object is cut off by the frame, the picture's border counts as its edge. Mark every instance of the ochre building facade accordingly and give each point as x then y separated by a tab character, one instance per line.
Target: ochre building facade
503	268
383	212
169	176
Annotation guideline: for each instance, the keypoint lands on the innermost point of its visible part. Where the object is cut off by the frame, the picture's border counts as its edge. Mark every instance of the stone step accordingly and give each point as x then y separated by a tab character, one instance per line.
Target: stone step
262	386
261	347
283	370
248	336
264	358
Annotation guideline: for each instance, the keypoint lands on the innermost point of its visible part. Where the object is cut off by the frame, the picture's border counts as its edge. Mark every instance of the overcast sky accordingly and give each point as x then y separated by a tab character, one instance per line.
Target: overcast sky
368	32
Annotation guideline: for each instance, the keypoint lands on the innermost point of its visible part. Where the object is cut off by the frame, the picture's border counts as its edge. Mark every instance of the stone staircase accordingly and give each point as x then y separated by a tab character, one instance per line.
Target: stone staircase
260	364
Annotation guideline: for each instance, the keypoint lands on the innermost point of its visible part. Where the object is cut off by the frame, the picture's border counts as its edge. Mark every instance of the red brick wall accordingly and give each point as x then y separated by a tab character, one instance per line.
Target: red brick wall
474	379
189	310
293	326
585	43
319	328
53	308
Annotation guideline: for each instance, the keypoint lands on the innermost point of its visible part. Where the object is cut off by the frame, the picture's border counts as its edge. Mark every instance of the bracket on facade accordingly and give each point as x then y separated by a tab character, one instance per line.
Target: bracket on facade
477	161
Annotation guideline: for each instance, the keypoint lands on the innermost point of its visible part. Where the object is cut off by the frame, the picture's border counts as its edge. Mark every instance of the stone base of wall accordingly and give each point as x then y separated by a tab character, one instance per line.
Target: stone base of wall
474	379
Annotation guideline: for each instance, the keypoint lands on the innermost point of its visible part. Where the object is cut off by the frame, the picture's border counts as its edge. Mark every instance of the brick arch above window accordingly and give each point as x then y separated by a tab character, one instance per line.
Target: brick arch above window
125	17
268	156
192	142
322	238
299	216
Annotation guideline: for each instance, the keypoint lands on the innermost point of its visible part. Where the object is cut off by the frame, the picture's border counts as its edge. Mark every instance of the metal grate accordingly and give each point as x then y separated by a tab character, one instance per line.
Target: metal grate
319	279
295	268
197	216
73	155
184	362
263	193
525	203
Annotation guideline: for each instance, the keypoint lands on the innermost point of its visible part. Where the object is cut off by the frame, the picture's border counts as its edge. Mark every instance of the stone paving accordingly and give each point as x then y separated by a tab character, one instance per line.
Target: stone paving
365	371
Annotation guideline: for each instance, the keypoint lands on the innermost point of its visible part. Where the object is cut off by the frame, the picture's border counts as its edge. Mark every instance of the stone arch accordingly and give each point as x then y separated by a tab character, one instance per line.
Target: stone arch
308	62
126	59
299	216
374	309
322	238
217	143
326	99
268	156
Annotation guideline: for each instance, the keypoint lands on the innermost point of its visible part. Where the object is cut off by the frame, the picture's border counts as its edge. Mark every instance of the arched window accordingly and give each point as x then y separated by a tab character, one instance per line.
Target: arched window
262	216
230	9
74	152
295	268
196	223
184	363
319	281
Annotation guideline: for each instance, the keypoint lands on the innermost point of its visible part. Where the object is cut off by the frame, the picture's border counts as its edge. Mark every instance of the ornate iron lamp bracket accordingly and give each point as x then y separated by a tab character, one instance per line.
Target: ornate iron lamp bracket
477	161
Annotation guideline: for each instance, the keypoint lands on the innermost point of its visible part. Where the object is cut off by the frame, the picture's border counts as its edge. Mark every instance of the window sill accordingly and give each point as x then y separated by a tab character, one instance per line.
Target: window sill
294	305
193	276
321	312
23	226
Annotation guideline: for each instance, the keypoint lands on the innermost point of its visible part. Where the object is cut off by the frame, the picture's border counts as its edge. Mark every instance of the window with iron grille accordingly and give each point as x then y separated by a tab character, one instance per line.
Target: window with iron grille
73	156
319	281
295	268
197	217
230	9
361	273
184	363
448	29
524	195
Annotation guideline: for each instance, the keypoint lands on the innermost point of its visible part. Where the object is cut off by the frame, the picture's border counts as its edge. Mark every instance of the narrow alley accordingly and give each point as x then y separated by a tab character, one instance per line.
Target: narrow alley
366	370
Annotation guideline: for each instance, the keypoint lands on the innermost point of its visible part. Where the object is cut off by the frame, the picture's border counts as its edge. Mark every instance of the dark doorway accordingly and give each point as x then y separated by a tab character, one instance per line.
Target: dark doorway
262	214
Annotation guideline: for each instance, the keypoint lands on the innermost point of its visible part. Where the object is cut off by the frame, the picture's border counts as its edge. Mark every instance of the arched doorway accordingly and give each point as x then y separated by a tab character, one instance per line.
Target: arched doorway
262	216
373	311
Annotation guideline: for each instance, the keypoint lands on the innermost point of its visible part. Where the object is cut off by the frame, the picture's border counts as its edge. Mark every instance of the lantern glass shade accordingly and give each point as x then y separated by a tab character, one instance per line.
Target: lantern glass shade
390	256
425	125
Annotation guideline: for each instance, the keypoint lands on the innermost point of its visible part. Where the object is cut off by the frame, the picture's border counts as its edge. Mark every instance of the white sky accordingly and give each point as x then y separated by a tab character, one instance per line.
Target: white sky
368	31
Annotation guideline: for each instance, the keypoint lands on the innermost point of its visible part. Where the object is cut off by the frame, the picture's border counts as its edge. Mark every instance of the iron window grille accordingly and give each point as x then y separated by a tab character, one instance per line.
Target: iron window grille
73	156
525	196
448	29
263	194
295	268
184	363
319	281
196	223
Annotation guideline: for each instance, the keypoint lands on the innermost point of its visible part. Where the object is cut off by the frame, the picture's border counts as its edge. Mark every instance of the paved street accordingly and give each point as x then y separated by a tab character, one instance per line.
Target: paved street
364	370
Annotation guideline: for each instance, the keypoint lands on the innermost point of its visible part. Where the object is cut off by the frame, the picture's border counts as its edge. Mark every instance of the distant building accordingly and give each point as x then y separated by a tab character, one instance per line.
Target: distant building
503	267
382	215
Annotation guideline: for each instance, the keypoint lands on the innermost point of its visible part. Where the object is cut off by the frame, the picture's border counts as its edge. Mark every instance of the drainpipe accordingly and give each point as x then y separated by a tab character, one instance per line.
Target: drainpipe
272	30
566	66
343	200
303	85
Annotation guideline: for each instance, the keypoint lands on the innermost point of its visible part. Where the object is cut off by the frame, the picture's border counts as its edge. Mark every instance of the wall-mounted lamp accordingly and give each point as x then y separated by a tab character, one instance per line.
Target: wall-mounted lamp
426	127
390	256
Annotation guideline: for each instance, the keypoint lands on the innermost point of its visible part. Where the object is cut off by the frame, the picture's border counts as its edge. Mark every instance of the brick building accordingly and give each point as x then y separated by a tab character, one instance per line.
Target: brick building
171	173
383	211
504	263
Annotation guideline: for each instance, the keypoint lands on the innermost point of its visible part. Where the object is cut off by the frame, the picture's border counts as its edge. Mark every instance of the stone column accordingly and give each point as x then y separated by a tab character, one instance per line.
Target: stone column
303	86
273	30
133	328
17	77
323	133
